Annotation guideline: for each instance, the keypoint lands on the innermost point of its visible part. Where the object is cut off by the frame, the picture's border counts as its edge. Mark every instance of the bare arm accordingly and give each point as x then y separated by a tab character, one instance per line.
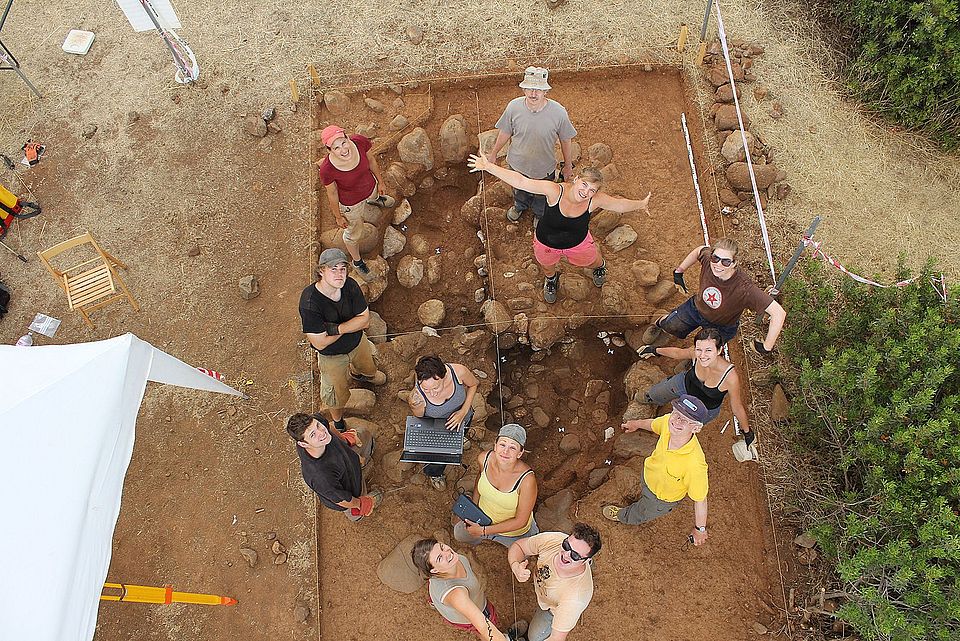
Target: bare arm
322	341
638	424
471	382
459	599
621	205
502	138
517	557
354	502
699	520
528	496
375	168
355	324
676	353
556	635
416	402
333	196
736	400
777	317
565	153
690	260
515	179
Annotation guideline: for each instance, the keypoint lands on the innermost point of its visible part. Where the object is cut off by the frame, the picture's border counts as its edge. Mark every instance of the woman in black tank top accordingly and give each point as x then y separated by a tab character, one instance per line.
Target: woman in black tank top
563	232
710	378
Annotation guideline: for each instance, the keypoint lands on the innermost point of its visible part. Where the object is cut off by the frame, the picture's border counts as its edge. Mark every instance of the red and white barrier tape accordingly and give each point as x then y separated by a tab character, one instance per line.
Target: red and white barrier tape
214	374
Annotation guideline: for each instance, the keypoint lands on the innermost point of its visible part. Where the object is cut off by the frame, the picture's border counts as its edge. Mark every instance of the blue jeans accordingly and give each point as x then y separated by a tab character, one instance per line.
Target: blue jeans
460	534
671	388
686	318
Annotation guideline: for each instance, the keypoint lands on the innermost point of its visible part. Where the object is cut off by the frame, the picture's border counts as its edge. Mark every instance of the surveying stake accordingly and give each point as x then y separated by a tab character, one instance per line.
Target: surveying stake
163	595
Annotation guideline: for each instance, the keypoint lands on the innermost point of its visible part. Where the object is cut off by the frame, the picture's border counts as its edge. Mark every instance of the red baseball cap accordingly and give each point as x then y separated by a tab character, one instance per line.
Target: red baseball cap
331	133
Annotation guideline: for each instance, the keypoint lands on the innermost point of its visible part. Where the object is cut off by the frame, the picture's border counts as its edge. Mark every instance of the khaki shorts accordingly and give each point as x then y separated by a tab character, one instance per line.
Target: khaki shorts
335	372
354	215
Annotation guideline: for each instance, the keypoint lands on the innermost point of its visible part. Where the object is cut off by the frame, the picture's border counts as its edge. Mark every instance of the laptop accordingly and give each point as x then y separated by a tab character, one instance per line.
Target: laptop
427	440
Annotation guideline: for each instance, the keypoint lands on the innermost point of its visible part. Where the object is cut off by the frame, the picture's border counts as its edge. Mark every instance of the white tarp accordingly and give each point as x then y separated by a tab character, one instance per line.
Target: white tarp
140	20
67	415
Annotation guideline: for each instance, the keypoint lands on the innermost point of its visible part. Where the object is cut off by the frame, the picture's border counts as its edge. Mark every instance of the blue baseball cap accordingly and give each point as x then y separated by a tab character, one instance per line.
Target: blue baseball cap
691	407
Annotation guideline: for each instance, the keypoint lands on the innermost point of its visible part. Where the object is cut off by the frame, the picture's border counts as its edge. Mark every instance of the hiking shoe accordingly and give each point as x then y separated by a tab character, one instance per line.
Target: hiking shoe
384	202
439	483
550	287
361	267
513	215
377	379
612	512
600	275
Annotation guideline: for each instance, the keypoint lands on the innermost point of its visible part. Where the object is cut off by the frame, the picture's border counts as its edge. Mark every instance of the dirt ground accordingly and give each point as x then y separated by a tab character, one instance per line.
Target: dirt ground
170	167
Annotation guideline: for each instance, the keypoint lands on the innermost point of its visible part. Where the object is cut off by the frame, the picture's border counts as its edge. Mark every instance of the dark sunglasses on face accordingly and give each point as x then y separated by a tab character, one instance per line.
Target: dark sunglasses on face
726	262
574	555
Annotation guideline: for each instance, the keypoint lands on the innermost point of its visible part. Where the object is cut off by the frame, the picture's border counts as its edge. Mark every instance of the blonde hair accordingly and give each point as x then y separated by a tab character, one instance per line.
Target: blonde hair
591	175
727	244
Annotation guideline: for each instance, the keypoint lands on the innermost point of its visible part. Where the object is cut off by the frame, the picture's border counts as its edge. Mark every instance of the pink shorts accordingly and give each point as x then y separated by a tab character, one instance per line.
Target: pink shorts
583	255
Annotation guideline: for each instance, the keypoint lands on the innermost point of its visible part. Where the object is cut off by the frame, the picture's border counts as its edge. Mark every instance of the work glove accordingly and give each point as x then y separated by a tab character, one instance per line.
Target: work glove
366	506
749	438
679	283
351	437
760	349
333	329
647	351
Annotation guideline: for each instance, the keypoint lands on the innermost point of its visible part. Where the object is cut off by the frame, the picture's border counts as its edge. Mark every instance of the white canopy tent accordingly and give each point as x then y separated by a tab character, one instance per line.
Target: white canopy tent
67	415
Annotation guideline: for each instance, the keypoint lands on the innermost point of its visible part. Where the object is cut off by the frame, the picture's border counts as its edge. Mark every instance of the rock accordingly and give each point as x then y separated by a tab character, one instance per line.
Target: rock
499	194
759	93
545	331
779	405
336	102
479	295
597	476
396	178
193	250
410	271
361	402
377	330
301	613
132	117
479	339
728	197
252	124
494	214
374	105
610	173
454	139
575	321
570	444
532	390
540	418
419	244
782	191
552	514
414	34
268	114
614	297
604	221
470	211
631	444
640	377
497	316
398	103
620	238
599	154
660	292
636	410
368	130
738	175
777	111
280	559
401	212
725	93
396	570
726	118
434	268
759	628
732	149
520	303
487	139
399	122
393	241
645	272
393	467
415	148
575	286
249	287
432	312
250	556
717	75
553	4
805	540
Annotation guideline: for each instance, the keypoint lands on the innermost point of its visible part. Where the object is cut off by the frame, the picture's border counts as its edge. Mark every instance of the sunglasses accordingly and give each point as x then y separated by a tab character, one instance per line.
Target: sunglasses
574	555
726	262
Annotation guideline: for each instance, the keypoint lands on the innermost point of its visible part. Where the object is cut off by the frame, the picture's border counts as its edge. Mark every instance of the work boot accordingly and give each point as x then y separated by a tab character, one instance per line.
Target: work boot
361	267
383	201
612	512
377	379
513	215
550	287
600	274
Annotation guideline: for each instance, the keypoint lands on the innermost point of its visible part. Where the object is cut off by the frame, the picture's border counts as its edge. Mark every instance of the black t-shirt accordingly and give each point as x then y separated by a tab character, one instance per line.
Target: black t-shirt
335	476
556	231
316	310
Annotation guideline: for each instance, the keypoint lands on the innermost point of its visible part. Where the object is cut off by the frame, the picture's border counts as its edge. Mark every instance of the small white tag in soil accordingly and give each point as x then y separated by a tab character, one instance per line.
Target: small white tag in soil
78	42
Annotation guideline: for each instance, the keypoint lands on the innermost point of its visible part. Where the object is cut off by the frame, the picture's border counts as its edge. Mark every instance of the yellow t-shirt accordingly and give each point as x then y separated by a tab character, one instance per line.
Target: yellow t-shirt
566	598
674	474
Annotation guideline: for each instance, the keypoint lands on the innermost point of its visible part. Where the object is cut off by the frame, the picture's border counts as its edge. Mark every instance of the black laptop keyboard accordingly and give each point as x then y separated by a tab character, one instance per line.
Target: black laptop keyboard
417	439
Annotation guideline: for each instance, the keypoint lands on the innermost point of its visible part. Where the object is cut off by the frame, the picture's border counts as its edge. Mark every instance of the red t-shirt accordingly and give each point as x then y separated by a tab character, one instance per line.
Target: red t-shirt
356	185
722	301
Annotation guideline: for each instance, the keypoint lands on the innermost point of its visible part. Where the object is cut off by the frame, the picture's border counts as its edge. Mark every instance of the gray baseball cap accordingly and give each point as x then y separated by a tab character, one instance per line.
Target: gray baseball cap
515	432
332	256
691	407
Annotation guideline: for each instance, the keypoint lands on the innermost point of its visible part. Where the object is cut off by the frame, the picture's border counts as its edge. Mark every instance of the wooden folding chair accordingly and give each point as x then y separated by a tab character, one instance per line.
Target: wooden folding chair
91	284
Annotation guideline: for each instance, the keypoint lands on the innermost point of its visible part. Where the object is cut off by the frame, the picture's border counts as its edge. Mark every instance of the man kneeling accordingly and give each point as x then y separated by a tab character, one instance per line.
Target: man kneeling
331	463
677	468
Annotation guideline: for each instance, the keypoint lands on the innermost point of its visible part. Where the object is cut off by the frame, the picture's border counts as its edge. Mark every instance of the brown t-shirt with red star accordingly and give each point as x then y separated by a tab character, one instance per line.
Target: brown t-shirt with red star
722	302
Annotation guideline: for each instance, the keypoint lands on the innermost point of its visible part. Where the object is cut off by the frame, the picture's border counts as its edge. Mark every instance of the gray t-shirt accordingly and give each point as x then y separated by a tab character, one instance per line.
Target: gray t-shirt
440	588
534	136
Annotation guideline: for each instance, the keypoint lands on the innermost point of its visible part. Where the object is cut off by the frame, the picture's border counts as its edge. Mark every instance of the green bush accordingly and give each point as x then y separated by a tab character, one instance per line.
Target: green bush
905	62
875	375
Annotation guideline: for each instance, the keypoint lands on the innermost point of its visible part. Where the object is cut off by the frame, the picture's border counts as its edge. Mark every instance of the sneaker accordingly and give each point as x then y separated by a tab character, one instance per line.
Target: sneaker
439	483
384	202
377	379
612	512
361	267
550	287
600	275
513	215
